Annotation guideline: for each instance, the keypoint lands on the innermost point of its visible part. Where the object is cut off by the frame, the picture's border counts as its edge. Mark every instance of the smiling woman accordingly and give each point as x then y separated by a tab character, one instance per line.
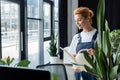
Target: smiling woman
84	39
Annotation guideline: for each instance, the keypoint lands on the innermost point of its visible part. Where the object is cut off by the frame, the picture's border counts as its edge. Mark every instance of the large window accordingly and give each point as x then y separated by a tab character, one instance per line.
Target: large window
34	26
33	8
10	30
47	19
39	30
50	23
47	29
56	19
26	29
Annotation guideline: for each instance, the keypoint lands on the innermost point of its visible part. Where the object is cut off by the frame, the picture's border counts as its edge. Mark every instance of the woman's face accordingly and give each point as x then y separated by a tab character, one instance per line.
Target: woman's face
80	21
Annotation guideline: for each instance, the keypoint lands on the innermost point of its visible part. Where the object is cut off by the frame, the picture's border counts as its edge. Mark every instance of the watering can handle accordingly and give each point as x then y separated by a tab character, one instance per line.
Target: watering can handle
82	50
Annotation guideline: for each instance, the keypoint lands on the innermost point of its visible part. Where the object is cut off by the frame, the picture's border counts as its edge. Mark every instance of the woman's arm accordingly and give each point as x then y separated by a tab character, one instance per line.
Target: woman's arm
72	48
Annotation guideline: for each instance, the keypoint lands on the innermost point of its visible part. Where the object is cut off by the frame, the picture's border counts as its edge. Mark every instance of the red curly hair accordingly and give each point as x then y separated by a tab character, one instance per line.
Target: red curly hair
84	11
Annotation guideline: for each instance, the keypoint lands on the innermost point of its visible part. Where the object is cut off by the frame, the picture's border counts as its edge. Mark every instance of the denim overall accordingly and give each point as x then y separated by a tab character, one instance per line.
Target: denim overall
85	45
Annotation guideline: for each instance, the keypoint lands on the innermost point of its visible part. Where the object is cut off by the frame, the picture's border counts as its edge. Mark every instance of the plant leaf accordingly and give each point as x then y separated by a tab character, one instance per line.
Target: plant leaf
113	73
2	62
23	63
55	76
118	60
9	60
100	20
88	58
91	71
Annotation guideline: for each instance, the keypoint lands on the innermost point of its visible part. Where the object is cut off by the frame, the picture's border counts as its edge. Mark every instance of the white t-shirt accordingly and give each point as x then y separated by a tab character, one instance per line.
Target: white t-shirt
85	37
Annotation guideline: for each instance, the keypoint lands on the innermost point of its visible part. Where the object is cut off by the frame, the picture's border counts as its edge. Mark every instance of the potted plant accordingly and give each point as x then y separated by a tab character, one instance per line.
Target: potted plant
107	62
115	39
53	49
55	76
8	61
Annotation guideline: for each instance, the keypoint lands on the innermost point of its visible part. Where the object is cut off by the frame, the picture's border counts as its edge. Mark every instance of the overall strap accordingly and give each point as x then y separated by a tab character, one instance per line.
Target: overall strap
95	36
79	37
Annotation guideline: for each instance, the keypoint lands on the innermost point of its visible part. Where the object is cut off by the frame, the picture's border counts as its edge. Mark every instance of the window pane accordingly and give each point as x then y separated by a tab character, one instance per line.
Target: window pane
33	42
47	20
46	54
56	9
33	8
56	28
10	29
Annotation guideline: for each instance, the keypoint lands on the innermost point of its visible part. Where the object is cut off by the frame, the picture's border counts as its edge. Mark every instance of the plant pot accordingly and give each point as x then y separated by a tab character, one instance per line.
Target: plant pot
54	59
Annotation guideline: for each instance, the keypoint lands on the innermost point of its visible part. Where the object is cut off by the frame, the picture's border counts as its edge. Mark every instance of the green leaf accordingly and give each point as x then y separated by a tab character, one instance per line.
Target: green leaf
98	70
97	59
113	73
115	38
88	58
91	71
53	48
2	62
104	65
100	61
118	60
100	20
55	76
108	41
9	60
97	55
23	63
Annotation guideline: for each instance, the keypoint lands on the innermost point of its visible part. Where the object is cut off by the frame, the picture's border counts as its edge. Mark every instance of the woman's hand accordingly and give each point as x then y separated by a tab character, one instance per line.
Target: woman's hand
91	51
76	68
74	55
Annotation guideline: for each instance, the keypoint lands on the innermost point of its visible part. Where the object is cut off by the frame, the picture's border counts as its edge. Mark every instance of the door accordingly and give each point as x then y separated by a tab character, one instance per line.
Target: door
11	36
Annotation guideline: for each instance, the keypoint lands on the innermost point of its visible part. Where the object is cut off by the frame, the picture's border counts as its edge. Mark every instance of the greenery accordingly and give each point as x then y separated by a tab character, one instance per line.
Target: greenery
8	61
115	39
55	76
107	60
53	49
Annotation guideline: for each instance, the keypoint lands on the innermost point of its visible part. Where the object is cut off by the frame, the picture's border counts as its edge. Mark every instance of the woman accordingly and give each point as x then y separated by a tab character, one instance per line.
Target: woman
85	39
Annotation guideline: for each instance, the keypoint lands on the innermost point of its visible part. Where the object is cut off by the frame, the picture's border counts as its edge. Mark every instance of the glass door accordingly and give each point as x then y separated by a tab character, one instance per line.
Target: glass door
10	29
33	24
47	29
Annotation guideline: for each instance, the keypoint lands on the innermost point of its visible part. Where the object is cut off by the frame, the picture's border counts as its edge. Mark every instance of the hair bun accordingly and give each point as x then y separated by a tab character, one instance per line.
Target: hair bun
91	13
